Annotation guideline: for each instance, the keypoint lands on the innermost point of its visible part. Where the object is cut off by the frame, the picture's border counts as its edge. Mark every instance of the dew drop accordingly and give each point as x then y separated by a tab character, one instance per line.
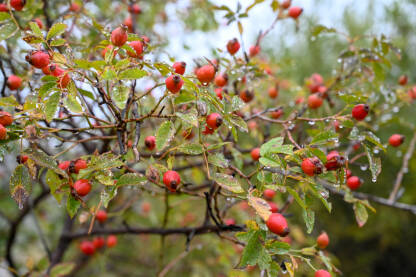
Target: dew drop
311	123
364	167
374	180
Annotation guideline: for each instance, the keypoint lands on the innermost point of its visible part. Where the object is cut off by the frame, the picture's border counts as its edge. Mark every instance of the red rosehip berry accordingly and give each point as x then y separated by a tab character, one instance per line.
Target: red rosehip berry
74	7
354	182
229	221
128	22
315	101
38	22
14	82
269	194
322	240
356	146
137	46
119	36
360	111
312	166
18	5
395	140
111	241
174	83
276	114
233	46
246	95
108	48
208	131
277	224
221	79
63	76
254	50
403	80
315	82
218	92
21	159
87	247
3	7
64	165
3	132
179	67
101	216
214	120
146	207
322	273
79	164
205	74
171	179
134	8
295	12
150	142
273	207
348	173
412	93
273	92
82	187
38	58
286	4
336	125
255	154
334	161
98	242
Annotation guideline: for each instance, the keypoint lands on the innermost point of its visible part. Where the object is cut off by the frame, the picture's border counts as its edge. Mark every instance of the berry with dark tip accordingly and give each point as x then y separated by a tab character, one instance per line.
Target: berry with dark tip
277	224
171	179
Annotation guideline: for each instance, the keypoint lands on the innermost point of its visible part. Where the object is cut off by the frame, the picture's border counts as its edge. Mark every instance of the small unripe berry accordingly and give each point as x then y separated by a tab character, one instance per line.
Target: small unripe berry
38	59
87	247
98	242
101	216
354	182
277	224
6	118
315	101
286	4
174	83
276	114
273	207
137	46
254	50
295	12
322	273
255	154
3	132
334	160
221	79
179	67
18	5
403	80
111	241
322	240
119	36
233	46
134	8
205	73
246	95
214	120
360	111
395	140
150	142
74	7
82	187
273	92
269	194
312	166
80	164
171	179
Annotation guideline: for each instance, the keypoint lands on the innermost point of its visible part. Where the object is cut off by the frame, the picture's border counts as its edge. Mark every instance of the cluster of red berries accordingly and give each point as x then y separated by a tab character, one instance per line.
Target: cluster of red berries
6	119
89	247
213	121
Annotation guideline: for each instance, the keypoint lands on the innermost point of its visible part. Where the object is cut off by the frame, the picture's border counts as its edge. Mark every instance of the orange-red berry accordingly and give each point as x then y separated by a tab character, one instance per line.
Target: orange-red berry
119	36
322	240
82	187
171	179
174	83
395	140
277	224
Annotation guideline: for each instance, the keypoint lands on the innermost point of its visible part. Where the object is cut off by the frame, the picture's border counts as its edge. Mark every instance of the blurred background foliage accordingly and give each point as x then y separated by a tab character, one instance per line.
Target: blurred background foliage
383	247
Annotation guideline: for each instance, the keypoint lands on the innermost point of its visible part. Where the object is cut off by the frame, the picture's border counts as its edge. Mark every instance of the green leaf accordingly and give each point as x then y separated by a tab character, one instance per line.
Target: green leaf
103	162
252	250
62	269
9	101
132	73
184	97
42	159
309	218
296	196
7	30
109	74
4	16
324	137
236	103
270	160
20	185
107	194
164	134
54	182
369	136
270	145
58	42
56	30
361	214
131	179
72	104
228	182
238	122
190	148
320	29
72	205
219	160
35	29
278	247
374	162
51	106
190	118
46	88
120	96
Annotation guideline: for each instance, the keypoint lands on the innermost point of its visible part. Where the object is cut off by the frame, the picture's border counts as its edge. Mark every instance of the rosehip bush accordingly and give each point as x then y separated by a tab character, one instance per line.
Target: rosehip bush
119	148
